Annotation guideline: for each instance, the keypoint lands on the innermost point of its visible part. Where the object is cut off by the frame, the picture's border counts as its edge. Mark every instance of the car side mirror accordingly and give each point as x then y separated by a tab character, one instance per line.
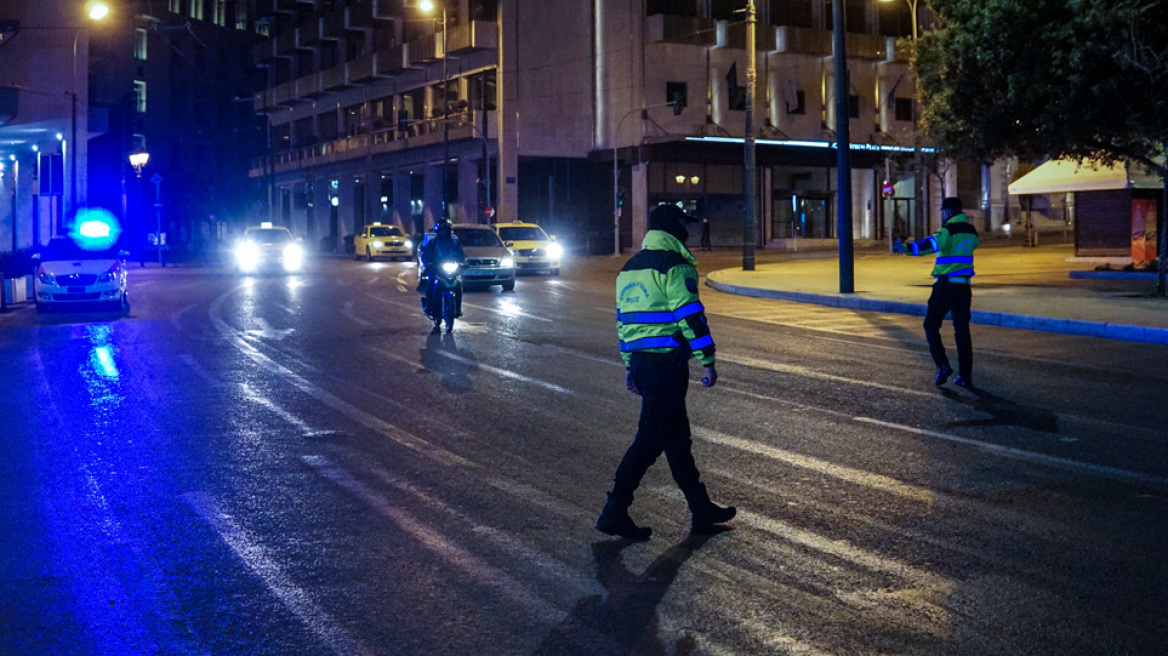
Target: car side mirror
36	257
300	239
508	244
552	237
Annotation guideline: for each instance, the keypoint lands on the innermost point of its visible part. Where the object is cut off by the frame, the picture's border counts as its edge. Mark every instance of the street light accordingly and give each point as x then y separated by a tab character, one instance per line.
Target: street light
428	6
95	10
138	160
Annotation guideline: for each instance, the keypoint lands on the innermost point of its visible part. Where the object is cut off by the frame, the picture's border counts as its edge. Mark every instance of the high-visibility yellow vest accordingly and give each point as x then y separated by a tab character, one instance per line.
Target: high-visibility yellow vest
657	305
954	244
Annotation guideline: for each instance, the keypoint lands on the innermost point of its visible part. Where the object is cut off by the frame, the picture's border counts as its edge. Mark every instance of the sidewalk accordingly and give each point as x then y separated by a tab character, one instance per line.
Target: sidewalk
1015	287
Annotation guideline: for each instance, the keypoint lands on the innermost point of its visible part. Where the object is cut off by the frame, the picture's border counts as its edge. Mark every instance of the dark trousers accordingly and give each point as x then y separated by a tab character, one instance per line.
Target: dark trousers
950	297
662	379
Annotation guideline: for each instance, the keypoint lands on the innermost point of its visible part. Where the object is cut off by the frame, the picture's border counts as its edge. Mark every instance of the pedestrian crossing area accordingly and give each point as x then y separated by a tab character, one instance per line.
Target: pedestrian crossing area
808	316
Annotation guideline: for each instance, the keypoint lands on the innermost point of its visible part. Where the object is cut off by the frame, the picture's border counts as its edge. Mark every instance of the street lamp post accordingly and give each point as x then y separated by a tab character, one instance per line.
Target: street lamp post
428	6
750	226
138	160
843	145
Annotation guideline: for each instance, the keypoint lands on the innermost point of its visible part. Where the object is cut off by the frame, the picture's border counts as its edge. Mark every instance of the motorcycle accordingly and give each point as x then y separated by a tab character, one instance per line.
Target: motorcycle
444	290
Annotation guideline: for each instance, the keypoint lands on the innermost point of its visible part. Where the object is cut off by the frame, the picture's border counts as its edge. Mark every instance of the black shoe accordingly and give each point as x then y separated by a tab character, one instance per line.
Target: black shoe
708	520
964	381
620	524
943	375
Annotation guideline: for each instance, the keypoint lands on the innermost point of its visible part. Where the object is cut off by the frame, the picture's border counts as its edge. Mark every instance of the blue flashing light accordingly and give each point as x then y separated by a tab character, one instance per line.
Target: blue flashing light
95	229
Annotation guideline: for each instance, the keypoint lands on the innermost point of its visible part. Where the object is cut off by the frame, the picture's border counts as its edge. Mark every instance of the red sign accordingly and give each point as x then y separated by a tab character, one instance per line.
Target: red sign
490	212
888	188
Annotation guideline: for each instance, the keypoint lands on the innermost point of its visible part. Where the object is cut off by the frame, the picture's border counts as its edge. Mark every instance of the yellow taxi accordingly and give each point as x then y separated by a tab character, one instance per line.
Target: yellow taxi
382	240
531	247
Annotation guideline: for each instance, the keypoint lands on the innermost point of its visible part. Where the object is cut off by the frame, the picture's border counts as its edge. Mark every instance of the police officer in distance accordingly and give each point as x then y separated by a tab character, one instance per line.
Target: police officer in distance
661	324
954	244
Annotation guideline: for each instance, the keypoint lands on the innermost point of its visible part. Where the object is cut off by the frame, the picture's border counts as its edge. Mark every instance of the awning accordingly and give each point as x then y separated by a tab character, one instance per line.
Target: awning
1066	176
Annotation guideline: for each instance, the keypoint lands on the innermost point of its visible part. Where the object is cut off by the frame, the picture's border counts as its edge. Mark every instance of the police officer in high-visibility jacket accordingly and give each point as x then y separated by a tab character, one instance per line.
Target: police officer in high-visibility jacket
954	244
662	324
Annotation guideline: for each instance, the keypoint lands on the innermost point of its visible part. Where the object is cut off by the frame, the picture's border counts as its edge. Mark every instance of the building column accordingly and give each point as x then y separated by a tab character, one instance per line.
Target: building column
506	124
401	210
639	191
432	196
468	190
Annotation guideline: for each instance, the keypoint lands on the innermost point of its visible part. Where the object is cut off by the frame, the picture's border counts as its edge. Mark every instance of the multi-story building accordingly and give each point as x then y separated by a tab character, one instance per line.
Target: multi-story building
583	115
173	78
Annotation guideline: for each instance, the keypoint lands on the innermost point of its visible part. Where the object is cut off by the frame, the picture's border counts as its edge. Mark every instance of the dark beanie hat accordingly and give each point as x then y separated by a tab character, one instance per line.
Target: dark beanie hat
952	204
670	218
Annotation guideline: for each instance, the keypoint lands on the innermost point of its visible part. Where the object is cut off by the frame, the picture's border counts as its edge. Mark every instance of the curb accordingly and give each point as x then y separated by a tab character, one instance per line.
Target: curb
1117	331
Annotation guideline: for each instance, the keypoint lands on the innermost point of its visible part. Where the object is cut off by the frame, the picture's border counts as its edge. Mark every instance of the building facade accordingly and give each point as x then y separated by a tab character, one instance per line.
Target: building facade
583	116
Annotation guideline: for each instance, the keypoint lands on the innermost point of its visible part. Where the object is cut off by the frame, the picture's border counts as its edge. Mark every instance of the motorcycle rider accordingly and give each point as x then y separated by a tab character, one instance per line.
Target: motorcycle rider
442	246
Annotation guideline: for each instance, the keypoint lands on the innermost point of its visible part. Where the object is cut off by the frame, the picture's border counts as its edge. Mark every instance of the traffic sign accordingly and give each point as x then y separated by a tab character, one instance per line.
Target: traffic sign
888	188
490	212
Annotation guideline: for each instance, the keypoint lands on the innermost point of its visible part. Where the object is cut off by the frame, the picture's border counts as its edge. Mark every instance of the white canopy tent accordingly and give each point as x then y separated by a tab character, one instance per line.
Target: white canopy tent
1068	176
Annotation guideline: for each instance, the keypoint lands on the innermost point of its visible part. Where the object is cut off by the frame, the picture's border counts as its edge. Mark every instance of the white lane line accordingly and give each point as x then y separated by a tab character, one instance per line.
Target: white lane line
210	378
296	599
347	312
849	474
259	399
819	375
373	422
506	373
468	563
402	284
510	310
1032	457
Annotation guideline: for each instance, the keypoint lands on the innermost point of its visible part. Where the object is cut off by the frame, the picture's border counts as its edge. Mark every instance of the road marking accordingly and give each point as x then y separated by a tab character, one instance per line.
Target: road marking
810	373
849	474
1033	457
373	422
469	564
255	397
510	311
210	378
347	311
506	373
296	599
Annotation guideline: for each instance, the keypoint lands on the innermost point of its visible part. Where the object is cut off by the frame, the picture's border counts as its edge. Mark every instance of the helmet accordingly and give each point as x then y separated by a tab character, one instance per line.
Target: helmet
443	230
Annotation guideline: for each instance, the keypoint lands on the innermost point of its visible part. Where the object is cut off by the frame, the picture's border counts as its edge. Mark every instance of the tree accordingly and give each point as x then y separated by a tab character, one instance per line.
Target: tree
1049	78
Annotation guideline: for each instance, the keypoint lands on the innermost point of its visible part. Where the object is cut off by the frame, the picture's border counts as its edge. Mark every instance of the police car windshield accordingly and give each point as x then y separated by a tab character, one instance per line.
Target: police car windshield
522	234
269	236
476	237
385	231
64	248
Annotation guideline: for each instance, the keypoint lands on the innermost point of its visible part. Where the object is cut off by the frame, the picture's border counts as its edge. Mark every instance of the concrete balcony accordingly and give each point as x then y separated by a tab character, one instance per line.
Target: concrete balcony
732	34
818	43
663	28
426	49
274	7
473	36
335	78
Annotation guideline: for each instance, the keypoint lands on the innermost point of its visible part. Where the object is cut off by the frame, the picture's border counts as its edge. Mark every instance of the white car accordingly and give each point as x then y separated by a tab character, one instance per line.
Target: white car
268	247
69	275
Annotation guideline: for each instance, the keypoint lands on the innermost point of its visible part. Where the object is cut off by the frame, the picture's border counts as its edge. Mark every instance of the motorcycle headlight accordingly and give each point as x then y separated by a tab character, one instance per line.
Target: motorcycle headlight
293	257
555	251
247	256
507	262
450	267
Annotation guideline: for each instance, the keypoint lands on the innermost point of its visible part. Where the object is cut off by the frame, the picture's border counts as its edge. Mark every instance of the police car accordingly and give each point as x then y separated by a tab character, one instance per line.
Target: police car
379	240
533	249
85	268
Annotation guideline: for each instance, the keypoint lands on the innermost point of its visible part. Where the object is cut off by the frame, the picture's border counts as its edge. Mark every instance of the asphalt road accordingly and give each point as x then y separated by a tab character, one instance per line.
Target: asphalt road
294	465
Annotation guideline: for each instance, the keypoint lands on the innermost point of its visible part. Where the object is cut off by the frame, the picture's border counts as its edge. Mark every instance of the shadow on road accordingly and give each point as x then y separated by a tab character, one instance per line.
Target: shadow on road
1003	412
442	356
624	619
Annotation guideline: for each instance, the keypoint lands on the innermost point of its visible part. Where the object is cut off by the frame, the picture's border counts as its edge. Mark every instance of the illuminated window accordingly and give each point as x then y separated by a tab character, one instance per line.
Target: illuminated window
241	15
140	96
175	6
140	44
219	11
196	9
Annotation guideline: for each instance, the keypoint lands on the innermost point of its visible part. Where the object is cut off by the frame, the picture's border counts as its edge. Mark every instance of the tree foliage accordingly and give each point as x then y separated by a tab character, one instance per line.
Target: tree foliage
1038	78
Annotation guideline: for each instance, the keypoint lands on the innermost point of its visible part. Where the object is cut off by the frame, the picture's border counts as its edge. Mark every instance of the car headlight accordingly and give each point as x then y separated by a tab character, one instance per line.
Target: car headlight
45	277
507	262
377	243
247	256
408	244
555	251
450	267
293	257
